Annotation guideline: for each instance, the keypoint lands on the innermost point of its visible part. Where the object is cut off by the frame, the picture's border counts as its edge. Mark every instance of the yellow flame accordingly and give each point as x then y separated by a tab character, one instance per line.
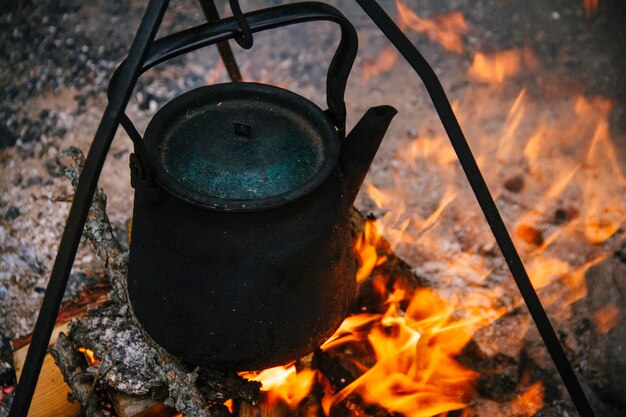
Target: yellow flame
496	68
366	248
89	355
284	383
415	371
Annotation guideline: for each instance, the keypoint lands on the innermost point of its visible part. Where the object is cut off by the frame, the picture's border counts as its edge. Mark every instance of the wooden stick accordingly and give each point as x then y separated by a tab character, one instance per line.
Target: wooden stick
72	365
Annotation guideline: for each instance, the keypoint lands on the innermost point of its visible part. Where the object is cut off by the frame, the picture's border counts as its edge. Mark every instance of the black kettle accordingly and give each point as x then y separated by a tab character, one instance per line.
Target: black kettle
241	252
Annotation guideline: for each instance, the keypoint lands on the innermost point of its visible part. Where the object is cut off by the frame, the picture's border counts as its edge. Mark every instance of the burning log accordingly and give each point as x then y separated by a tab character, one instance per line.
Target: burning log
50	397
337	375
73	367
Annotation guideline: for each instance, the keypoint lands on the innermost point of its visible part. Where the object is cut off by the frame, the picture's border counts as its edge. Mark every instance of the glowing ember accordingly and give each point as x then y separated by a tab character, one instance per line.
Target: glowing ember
89	355
446	29
530	402
230	404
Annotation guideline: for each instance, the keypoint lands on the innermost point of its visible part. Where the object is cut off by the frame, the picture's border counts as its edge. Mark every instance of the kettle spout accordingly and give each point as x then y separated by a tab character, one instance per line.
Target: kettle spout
359	149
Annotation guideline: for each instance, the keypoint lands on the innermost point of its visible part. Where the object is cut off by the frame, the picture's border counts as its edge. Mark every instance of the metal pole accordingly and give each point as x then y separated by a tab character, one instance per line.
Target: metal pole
485	200
80	207
211	14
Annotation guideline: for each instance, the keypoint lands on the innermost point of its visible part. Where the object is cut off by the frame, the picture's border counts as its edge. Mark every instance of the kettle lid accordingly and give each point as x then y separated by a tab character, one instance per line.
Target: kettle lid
241	146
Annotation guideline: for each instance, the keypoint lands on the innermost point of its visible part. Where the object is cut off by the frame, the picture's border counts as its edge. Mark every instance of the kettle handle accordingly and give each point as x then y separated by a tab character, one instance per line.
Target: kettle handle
191	39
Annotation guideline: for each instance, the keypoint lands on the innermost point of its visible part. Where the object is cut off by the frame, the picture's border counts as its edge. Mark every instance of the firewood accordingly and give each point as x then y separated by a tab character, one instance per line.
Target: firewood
128	406
51	395
262	410
73	367
98	228
337	375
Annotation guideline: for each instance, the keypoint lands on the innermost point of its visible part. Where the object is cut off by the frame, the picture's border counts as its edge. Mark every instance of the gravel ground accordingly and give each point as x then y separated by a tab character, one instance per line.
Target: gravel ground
56	58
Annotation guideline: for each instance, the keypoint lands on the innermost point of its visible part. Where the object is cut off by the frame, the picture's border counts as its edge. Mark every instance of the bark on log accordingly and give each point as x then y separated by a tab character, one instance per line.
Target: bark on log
72	366
98	227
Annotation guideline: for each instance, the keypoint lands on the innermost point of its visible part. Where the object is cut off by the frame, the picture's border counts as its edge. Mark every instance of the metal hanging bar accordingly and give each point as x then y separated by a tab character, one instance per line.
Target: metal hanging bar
485	200
244	39
211	14
81	204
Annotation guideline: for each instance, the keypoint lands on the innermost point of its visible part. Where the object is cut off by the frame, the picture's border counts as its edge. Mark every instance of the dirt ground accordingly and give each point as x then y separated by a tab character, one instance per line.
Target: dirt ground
56	59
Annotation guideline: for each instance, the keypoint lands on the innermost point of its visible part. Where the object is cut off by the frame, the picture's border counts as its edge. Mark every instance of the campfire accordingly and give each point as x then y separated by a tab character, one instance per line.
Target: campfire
438	327
409	346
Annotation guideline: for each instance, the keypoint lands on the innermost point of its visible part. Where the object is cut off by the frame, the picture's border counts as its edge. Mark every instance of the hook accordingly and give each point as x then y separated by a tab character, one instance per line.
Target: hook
245	38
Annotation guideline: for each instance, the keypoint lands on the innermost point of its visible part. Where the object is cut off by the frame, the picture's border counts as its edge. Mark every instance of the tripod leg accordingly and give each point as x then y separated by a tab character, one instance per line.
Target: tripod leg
80	207
211	14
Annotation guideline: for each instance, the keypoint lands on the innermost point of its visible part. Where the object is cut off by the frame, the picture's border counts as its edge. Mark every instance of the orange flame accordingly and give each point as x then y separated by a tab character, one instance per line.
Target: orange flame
591	7
365	248
606	210
230	404
568	212
447	29
530	402
497	67
562	180
500	66
284	383
606	318
415	373
382	64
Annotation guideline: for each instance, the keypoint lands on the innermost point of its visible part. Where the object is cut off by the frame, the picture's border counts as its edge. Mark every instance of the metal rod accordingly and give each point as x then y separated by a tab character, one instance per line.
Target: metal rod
211	14
244	38
80	207
485	200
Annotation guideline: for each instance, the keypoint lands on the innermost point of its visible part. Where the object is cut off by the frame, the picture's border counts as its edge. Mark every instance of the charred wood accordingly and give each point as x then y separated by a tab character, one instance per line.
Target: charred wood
220	386
337	375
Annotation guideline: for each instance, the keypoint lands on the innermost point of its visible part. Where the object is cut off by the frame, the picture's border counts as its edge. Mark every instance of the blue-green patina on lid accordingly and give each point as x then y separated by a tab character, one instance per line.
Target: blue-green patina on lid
237	145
